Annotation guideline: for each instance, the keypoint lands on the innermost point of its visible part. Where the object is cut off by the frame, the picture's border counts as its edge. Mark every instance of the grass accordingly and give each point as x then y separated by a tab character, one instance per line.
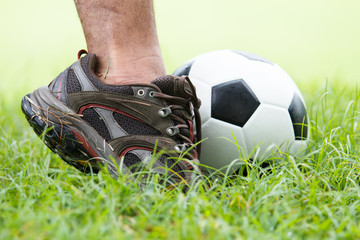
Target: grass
314	196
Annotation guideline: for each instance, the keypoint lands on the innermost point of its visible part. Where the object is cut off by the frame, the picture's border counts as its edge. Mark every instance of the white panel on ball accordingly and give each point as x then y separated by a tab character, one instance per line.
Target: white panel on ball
217	67
269	83
219	149
268	126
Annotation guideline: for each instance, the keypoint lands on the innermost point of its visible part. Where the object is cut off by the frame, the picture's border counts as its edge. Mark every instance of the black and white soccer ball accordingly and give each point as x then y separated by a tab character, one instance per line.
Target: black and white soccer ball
250	109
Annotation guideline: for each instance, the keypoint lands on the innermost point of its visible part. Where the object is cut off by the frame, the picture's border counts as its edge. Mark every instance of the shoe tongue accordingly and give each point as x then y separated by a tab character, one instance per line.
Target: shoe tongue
166	84
173	86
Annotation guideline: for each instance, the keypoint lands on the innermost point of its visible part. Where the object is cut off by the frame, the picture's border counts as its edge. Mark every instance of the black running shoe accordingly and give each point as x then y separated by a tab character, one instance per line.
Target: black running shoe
89	123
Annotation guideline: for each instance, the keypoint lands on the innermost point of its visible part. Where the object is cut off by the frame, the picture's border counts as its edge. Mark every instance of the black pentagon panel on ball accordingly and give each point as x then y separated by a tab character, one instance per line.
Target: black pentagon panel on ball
299	118
184	69
252	56
233	102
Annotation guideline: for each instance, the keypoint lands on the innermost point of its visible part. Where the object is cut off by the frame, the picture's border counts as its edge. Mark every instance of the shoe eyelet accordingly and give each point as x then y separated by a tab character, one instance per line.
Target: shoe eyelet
151	94
172	131
141	92
179	148
164	112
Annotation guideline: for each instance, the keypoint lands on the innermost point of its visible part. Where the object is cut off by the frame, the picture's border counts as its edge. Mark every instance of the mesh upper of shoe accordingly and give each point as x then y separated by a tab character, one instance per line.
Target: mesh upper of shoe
73	84
135	127
94	119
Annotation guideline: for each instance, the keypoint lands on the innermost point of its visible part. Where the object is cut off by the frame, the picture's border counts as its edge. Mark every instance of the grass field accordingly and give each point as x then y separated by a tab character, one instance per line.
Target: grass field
314	196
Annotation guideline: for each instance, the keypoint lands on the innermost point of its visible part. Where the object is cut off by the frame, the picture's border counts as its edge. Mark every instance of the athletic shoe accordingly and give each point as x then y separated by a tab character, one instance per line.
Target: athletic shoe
90	124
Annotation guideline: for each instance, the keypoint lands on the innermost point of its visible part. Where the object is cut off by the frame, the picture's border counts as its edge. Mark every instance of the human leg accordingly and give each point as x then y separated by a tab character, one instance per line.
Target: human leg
122	34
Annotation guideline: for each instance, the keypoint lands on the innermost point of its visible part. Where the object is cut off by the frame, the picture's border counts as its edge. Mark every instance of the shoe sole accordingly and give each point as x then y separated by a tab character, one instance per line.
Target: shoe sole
67	135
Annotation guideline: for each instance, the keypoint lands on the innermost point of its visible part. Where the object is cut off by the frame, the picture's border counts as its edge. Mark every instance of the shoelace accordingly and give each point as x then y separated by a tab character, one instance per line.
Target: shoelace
190	104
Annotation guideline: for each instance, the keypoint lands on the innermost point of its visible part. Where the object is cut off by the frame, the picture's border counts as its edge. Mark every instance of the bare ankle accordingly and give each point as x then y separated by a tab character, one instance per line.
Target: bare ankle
115	69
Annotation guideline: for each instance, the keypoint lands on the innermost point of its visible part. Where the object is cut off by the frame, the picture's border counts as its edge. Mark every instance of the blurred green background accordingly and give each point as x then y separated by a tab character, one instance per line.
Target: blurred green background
312	40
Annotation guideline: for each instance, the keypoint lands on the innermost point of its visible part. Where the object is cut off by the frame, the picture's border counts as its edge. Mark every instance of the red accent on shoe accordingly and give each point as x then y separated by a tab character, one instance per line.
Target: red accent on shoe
81	52
188	165
107	108
123	153
86	145
195	153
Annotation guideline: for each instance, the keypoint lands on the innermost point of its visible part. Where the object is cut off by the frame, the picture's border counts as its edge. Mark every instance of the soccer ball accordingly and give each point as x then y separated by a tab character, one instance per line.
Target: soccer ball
251	108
